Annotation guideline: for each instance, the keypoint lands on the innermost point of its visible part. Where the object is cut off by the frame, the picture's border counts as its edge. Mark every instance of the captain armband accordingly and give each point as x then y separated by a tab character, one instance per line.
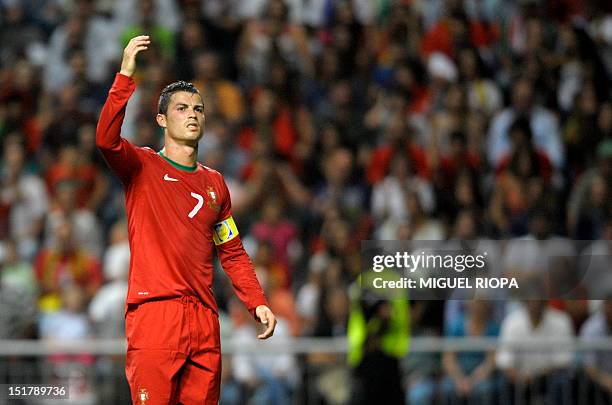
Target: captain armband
224	231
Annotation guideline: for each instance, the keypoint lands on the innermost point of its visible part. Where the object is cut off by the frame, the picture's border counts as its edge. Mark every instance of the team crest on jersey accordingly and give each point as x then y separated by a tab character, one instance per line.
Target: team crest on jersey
143	396
212	199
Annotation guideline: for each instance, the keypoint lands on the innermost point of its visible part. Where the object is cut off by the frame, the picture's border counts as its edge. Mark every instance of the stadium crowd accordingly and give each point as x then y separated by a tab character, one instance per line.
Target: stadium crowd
333	122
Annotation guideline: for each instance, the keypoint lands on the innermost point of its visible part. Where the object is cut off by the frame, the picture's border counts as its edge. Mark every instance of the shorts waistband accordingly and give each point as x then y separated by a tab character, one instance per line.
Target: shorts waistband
185	300
189	298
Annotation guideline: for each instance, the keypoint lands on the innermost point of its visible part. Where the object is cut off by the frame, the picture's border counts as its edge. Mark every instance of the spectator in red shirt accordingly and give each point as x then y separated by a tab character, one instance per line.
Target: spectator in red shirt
271	124
399	137
63	265
77	167
456	31
523	181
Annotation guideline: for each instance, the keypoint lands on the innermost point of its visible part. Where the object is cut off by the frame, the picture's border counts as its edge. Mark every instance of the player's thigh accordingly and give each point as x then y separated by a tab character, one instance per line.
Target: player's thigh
200	379
157	325
155	356
153	375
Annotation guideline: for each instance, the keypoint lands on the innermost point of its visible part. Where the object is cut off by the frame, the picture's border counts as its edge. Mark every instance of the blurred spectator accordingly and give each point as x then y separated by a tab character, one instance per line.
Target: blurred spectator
483	93
523	181
590	185
597	209
337	240
341	107
338	189
456	178
163	13
279	233
107	314
269	39
217	149
526	28
541	373
532	256
17	274
581	63
62	122
333	316
399	139
271	379
74	165
471	375
273	277
423	226
308	296
455	30
446	119
23	201
107	308
190	40
459	159
271	124
598	364
222	93
327	71
16	30
85	225
19	93
70	322
467	237
147	21
543	123
65	264
604	121
594	264
264	176
389	197
83	30
421	369
17	294
580	130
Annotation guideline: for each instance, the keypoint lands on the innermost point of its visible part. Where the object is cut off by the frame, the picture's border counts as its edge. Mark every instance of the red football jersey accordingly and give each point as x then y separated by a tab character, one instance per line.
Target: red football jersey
176	215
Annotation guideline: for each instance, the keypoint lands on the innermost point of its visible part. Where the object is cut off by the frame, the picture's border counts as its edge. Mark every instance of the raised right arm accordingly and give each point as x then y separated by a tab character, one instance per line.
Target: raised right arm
120	155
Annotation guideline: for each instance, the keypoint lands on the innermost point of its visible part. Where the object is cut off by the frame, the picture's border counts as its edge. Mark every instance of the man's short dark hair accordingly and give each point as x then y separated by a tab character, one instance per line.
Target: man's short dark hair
169	90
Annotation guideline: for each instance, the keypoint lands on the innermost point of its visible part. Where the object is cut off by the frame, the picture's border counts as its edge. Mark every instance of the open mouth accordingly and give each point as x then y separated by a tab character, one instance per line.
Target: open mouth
193	126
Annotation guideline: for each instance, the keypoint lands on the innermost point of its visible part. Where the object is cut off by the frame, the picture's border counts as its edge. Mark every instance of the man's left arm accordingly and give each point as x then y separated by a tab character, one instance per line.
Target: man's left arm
237	265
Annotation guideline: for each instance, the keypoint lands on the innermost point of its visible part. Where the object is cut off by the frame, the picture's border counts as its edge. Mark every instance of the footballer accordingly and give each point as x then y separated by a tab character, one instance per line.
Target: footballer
178	210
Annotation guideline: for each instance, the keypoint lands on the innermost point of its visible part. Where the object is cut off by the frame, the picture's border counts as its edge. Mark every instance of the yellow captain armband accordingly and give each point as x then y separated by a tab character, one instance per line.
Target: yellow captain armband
224	231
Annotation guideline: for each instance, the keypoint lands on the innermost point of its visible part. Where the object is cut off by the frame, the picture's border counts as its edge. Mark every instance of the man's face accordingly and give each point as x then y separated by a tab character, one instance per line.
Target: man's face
522	96
184	120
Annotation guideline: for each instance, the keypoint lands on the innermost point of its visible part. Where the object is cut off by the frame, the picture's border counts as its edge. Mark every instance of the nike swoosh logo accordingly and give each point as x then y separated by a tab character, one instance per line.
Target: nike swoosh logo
168	178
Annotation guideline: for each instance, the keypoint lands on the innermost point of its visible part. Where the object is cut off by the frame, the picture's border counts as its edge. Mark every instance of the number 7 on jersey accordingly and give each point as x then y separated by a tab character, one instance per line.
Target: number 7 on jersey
197	207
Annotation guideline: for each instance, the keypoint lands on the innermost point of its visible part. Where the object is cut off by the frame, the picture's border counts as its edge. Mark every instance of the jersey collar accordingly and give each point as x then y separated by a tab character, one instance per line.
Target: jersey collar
177	165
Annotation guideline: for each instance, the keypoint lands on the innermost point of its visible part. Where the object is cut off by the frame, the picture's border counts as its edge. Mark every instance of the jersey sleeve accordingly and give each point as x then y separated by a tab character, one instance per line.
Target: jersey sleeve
120	155
234	259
